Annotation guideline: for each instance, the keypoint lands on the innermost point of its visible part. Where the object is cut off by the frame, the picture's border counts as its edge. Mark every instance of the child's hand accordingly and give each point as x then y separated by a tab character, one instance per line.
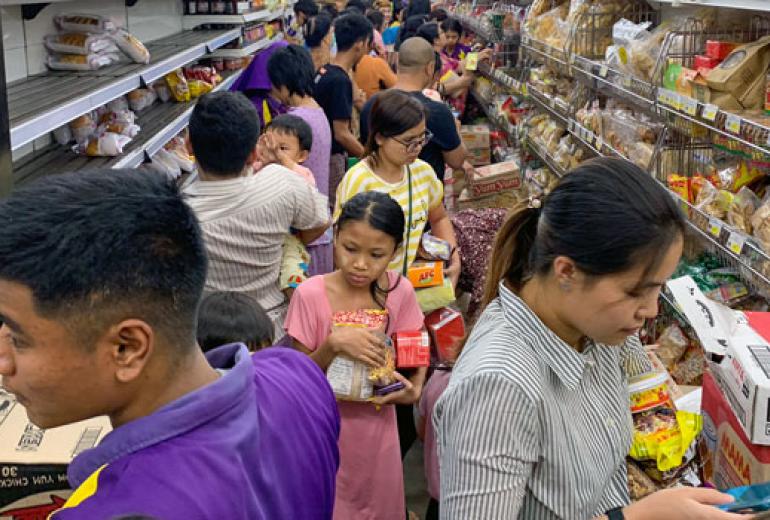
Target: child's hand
358	343
265	147
410	394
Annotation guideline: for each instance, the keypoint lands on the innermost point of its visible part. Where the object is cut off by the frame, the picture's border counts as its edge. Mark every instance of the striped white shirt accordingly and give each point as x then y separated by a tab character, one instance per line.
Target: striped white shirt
530	428
245	222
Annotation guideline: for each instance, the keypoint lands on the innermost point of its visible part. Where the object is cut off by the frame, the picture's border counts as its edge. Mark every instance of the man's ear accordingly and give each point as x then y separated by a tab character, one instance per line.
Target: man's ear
131	344
253	156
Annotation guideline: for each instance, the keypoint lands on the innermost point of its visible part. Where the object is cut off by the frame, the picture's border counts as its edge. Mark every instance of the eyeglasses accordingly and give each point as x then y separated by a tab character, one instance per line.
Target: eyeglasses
415	144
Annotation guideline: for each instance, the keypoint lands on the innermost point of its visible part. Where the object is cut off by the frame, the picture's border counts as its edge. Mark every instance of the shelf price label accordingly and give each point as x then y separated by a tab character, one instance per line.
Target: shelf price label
710	112
690	106
603	70
599	143
626	82
715	227
735	242
733	124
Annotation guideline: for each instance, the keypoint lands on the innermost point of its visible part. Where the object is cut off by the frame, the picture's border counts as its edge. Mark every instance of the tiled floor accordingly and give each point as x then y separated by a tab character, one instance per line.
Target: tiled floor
414	481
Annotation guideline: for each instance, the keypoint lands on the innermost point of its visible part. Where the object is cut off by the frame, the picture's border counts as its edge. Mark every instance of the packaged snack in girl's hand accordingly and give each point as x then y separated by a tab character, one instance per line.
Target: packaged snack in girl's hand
426	274
412	349
447	329
432	248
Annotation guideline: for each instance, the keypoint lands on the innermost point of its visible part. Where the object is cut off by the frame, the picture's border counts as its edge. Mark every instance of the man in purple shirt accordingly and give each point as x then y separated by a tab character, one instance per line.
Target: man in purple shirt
100	278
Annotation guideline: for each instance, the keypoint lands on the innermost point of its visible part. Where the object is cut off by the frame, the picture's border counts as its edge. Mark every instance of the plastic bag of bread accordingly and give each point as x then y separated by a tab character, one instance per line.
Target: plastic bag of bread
672	345
131	46
87	23
120	122
160	87
141	98
178	150
178	86
105	145
79	43
550	25
760	224
169	164
641	153
83	128
79	62
745	203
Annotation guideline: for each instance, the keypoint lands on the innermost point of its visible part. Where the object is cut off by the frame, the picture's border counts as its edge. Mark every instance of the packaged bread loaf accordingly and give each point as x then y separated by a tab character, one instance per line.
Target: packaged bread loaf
87	23
744	204
79	43
79	62
130	45
105	145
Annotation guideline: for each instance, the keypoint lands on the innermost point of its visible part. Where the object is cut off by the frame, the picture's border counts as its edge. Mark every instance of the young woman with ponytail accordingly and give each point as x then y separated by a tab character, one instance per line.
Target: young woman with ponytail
535	423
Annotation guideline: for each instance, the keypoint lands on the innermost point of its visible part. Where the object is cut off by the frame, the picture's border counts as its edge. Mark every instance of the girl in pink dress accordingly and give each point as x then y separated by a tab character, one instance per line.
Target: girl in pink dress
369	231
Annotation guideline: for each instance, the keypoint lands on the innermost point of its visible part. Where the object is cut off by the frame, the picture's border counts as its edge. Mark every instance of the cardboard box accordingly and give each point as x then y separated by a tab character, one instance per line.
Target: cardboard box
504	200
496	178
736	344
476	141
738	73
412	349
719	50
447	330
33	462
426	274
732	459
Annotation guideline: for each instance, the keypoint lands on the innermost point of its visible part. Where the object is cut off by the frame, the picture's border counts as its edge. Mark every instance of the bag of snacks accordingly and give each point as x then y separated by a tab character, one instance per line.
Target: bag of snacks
760	224
689	370
672	345
131	46
79	43
141	98
744	204
79	62
87	23
639	483
82	128
661	434
432	248
107	144
199	87
713	201
177	84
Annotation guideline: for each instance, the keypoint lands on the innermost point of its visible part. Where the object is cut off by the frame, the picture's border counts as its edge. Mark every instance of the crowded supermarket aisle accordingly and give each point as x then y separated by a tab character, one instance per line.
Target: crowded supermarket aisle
384	260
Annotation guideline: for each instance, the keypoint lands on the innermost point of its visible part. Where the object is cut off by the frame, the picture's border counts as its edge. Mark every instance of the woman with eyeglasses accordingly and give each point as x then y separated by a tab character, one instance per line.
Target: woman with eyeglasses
397	133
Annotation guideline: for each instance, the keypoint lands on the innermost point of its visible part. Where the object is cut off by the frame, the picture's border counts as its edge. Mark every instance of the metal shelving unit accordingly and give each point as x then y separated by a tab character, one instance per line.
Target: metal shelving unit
191	21
159	124
244	52
41	103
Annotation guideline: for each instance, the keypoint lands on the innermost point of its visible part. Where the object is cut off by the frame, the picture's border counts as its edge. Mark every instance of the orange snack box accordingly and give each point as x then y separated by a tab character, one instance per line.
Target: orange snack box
426	274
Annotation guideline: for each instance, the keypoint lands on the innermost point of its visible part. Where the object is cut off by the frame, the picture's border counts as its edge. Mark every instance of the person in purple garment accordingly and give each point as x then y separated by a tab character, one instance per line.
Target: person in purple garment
255	85
291	74
101	275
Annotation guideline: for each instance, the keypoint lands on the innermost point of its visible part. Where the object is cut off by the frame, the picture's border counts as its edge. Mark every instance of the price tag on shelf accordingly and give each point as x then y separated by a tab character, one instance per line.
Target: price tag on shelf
715	227
710	112
735	242
572	58
676	101
603	71
524	91
599	143
662	96
690	105
626	82
733	123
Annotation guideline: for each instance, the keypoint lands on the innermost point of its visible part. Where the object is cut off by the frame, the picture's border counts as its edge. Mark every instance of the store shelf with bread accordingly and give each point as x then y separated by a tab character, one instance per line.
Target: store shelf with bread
492	113
159	123
43	102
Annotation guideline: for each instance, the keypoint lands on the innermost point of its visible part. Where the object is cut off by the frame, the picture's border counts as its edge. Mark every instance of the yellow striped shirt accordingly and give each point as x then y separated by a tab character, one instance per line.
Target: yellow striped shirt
427	194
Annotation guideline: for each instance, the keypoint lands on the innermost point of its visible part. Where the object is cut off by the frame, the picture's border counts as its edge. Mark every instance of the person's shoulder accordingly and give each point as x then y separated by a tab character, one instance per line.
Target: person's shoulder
272	173
313	287
423	170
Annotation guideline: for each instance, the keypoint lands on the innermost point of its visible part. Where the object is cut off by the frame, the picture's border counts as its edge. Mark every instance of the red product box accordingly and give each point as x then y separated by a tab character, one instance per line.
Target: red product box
719	50
733	460
447	329
706	62
412	349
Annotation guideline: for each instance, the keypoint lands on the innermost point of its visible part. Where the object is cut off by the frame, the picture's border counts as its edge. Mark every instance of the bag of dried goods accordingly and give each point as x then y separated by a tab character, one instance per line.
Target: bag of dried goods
745	203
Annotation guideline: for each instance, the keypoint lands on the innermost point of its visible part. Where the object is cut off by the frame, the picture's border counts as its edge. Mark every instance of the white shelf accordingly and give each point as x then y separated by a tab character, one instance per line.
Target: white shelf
755	5
191	21
39	104
248	50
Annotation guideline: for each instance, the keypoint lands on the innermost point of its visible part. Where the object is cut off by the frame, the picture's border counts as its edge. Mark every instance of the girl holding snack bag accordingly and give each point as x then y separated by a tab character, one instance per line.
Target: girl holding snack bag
342	320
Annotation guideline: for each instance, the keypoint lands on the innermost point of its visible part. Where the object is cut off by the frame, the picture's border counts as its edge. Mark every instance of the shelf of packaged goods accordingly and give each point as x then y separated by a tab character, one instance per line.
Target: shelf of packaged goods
43	102
753	5
501	78
614	83
541	52
159	124
483	28
494	118
247	51
545	158
191	21
733	248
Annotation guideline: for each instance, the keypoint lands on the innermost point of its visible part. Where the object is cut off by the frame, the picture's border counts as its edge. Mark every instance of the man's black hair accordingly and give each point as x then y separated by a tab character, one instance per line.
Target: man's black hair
307	7
95	248
376	17
359	5
296	126
231	317
329	9
351	29
292	67
224	128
